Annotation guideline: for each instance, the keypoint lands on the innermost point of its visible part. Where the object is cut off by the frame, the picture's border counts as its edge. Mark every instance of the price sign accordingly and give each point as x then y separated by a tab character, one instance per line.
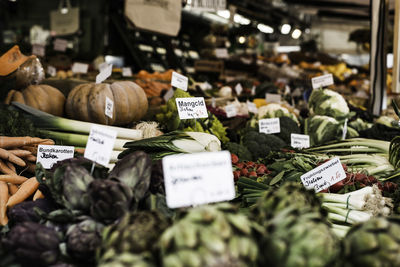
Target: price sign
127	72
300	140
238	89
109	110
60	45
51	71
38	50
251	107
269	126
103	66
200	178
322	81
221	53
231	111
168	94
80	67
179	81
50	155
274	98
253	90
104	74
324	175
100	144
191	108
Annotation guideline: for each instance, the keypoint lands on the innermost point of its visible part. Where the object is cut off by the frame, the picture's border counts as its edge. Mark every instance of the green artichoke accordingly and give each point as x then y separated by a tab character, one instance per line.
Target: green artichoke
374	243
135	233
127	259
110	199
83	239
210	235
33	244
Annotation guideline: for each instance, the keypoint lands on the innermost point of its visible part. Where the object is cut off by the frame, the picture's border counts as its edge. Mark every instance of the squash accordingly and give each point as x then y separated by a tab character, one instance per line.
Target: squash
43	97
87	102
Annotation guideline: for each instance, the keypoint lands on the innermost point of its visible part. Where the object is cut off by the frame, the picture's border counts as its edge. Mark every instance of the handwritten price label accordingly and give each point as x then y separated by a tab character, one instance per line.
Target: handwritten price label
269	126
191	108
100	144
50	155
300	140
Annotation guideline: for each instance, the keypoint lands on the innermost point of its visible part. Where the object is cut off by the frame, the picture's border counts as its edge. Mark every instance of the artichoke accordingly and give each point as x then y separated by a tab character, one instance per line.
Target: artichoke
157	178
29	210
127	259
110	199
373	243
210	235
83	239
135	233
33	244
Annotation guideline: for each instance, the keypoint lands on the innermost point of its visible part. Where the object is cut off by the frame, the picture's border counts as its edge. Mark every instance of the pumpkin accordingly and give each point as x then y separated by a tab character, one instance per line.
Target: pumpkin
87	102
43	97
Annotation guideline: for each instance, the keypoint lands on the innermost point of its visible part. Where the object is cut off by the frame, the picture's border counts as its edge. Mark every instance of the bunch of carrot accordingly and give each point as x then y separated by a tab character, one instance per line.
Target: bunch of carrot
18	152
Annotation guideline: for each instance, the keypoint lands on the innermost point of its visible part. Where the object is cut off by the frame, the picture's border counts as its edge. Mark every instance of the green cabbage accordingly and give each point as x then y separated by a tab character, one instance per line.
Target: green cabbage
328	103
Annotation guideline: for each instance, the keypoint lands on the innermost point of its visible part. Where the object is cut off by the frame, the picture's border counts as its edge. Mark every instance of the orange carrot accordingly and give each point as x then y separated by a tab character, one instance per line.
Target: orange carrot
13	178
38	195
4	168
9	142
31	158
11	166
31	149
12	188
31	167
80	150
20	152
3	202
4	154
47	142
25	190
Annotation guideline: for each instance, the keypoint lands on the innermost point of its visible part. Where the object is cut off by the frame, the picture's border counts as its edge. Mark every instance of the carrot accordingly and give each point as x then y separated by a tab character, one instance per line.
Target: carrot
11	166
38	195
4	154
12	188
13	178
3	201
31	158
47	142
25	190
20	152
31	149
80	150
9	142
4	168
31	167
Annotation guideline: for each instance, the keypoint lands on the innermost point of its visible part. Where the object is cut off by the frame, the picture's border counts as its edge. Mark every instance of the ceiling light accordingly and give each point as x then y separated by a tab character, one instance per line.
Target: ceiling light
224	13
242	39
241	20
285	29
296	34
265	28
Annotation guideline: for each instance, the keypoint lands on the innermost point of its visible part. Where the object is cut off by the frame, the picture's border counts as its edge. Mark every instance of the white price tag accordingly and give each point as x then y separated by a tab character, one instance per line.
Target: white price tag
324	175
191	108
168	94
126	72
231	111
344	129
221	53
238	89
60	45
251	107
80	67
51	71
200	178
179	81
272	98
109	110
50	155
103	66
322	81
100	145
104	74
253	90
213	102
269	126
300	140
38	50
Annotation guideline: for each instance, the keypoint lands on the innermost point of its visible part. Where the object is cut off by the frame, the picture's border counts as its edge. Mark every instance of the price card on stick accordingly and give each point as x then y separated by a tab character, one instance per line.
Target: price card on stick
322	81
300	140
231	111
168	94
50	155
109	108
79	67
104	74
275	98
238	89
221	53
191	108
51	71
324	175
100	144
269	126
38	50
199	178
126	72
60	45
251	107
179	81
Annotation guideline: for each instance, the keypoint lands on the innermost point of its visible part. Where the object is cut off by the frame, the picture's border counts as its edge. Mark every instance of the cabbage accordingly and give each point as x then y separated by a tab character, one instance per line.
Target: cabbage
329	103
322	129
274	110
